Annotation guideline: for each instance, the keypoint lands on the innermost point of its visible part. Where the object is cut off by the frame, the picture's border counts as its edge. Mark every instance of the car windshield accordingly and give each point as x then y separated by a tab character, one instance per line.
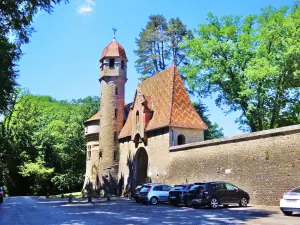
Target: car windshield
198	187
296	190
138	187
178	188
145	188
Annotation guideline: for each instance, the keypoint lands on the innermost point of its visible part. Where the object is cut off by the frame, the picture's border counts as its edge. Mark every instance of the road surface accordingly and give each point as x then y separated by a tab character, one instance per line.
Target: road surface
36	211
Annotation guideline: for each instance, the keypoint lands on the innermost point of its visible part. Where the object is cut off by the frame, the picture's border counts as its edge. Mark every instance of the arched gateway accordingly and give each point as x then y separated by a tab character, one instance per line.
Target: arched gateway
141	167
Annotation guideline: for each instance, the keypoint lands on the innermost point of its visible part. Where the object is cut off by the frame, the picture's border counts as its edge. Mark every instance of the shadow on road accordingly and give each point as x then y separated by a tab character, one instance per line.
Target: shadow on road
128	212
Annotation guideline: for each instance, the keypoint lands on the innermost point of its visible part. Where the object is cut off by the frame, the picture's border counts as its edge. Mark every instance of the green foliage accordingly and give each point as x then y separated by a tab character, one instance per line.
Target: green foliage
15	30
44	147
213	131
251	64
159	45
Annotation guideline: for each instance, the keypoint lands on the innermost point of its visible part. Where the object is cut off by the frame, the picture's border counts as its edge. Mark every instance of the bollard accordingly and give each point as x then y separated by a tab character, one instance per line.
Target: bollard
90	199
70	198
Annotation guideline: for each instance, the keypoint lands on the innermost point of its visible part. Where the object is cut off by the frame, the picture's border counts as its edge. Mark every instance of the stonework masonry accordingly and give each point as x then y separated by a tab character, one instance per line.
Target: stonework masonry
108	142
158	153
265	164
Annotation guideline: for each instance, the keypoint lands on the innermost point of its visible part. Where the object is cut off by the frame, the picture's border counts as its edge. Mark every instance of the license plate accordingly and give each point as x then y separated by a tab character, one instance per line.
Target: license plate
172	197
291	200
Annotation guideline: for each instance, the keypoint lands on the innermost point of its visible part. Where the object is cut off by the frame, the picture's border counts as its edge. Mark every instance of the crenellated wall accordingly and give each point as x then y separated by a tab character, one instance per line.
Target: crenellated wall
265	164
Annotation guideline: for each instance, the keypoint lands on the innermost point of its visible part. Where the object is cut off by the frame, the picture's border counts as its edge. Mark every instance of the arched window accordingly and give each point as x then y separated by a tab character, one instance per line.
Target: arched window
137	116
89	154
180	139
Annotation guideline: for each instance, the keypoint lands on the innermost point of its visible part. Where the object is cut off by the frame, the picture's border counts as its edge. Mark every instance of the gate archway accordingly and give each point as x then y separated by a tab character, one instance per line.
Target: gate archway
141	166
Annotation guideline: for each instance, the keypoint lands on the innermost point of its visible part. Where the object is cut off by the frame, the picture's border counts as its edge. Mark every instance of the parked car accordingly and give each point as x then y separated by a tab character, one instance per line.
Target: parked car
214	194
1	194
290	202
137	192
155	193
177	193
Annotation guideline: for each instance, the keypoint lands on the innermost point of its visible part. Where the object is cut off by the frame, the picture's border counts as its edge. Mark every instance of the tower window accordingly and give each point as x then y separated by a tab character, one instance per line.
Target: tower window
112	63
116	113
115	136
116	91
100	155
115	155
89	155
180	139
137	117
122	65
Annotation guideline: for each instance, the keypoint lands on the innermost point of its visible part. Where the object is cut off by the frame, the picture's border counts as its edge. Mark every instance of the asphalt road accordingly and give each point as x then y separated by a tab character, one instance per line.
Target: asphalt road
35	211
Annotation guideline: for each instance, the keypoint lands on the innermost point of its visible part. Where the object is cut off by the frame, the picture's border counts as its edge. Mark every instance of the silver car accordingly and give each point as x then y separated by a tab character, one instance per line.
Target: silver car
155	193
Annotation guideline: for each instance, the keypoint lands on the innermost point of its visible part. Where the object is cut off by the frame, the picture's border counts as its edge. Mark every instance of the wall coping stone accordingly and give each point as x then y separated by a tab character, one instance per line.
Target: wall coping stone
239	138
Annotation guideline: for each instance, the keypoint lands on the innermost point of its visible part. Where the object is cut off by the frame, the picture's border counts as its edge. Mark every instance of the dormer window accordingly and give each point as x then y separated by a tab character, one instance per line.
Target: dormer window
122	65
111	63
137	117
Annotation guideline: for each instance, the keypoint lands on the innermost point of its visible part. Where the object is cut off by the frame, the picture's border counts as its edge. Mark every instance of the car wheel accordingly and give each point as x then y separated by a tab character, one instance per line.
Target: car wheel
287	213
137	200
188	203
213	204
243	202
225	206
153	201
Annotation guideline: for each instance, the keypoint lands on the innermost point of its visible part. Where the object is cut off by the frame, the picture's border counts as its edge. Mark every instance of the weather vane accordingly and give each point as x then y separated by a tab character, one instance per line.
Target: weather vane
114	30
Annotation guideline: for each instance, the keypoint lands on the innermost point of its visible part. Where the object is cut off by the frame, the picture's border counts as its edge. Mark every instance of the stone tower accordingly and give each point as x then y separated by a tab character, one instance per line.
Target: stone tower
113	76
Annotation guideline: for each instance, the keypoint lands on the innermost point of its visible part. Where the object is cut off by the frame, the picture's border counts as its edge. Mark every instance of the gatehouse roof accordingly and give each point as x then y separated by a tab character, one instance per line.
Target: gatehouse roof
170	103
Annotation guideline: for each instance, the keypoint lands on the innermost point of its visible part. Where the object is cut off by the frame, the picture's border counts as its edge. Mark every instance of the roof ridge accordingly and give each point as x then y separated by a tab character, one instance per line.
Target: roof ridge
172	95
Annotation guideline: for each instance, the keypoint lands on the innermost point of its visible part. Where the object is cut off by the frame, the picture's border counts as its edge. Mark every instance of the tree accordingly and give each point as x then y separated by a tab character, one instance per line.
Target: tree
15	30
213	131
159	45
43	144
251	64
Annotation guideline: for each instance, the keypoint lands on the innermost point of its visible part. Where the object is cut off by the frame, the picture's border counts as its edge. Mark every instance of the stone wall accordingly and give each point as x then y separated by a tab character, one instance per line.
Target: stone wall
265	164
157	149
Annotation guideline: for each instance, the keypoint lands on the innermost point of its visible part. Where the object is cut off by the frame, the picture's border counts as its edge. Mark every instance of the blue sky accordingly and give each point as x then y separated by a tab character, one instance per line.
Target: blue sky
62	59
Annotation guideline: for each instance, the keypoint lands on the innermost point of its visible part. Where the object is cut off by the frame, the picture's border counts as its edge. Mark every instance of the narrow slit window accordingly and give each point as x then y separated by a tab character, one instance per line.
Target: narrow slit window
122	65
115	155
117	91
116	113
137	115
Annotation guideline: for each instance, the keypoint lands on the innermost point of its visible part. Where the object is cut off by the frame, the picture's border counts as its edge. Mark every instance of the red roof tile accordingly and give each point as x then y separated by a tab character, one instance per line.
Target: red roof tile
170	103
114	49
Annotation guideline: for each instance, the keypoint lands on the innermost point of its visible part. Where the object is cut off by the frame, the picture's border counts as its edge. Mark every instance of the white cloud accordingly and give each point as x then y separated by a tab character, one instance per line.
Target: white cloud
86	7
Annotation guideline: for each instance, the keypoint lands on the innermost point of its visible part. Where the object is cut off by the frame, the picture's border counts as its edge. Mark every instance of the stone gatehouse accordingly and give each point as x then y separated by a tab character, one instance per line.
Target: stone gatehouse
159	137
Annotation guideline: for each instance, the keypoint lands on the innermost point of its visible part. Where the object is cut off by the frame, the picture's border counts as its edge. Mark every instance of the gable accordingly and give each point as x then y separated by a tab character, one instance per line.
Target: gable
170	103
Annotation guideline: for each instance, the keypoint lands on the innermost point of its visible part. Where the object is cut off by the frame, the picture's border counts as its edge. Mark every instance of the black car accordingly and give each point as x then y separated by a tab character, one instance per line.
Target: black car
217	193
1	194
177	193
137	192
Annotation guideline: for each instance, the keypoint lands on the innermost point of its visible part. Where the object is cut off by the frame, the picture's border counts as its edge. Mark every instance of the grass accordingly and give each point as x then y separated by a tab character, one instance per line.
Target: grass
66	195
